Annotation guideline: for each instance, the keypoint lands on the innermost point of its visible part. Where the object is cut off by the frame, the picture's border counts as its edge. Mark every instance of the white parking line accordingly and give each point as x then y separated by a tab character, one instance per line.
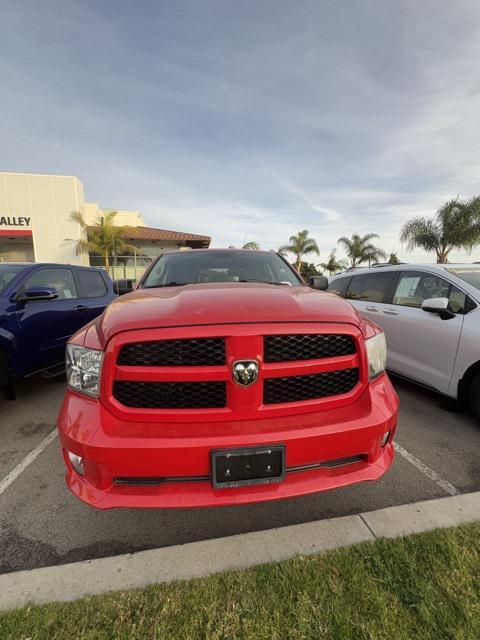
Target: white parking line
21	466
430	473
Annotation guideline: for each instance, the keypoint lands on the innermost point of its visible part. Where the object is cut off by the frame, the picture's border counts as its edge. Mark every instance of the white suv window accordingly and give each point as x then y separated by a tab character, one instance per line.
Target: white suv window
339	286
414	287
371	287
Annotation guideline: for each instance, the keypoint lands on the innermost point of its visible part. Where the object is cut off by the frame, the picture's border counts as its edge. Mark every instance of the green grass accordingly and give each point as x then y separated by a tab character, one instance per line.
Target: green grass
423	586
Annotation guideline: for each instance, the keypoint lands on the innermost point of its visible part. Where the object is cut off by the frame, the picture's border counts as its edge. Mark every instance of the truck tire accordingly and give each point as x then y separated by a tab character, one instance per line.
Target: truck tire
474	396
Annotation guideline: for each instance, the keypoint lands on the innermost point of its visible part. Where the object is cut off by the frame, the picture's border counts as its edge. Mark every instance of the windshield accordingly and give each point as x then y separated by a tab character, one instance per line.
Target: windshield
470	274
8	273
199	267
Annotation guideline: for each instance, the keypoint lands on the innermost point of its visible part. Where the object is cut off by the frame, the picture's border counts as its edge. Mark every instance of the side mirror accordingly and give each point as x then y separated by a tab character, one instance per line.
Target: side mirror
318	282
438	305
123	286
37	293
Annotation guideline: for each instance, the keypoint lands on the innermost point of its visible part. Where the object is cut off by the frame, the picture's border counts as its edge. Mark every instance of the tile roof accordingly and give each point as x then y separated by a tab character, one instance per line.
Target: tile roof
149	233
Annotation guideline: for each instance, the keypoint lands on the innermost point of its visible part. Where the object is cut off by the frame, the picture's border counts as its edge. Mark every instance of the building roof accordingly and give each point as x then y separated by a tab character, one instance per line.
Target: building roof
149	233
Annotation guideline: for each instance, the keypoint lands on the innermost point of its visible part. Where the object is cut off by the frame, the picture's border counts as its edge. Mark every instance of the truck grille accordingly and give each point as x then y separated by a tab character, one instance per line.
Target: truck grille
174	353
170	395
316	385
190	370
308	346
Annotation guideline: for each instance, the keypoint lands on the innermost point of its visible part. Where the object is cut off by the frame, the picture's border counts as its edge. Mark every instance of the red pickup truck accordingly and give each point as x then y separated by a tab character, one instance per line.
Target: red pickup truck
224	379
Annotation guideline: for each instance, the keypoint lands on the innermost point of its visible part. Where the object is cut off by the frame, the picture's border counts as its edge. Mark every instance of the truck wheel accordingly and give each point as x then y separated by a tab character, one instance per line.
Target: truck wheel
474	396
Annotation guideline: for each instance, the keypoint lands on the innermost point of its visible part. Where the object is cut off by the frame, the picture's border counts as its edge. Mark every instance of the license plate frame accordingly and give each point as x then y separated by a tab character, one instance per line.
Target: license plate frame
238	459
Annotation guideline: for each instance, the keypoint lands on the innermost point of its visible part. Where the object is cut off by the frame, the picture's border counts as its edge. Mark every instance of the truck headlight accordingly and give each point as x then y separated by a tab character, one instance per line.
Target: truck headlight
376	355
83	369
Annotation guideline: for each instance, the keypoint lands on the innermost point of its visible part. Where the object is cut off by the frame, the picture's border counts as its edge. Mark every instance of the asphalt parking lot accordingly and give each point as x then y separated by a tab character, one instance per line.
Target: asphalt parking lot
42	524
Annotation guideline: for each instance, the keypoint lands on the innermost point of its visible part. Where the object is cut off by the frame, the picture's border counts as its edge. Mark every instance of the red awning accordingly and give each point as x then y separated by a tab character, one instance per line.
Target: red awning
15	233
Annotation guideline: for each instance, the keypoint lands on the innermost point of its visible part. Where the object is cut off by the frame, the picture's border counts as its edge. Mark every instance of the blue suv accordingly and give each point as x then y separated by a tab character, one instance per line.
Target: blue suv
41	306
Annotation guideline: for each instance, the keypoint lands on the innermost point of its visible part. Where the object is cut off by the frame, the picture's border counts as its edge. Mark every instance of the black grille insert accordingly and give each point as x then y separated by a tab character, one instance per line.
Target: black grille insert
174	353
170	395
310	346
149	481
314	385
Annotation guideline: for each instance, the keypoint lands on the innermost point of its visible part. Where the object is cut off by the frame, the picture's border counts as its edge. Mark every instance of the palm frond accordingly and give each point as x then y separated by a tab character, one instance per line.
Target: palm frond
77	217
81	246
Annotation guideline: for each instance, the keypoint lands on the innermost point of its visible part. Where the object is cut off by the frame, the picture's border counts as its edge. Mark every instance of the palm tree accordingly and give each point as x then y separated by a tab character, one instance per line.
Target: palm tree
393	259
308	269
334	264
254	246
300	245
456	225
359	249
103	238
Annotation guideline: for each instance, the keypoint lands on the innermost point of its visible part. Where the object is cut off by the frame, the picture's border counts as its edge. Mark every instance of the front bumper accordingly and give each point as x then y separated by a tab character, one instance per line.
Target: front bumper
179	453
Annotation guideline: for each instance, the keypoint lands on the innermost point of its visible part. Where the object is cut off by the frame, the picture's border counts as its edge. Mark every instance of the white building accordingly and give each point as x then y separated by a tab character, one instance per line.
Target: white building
36	225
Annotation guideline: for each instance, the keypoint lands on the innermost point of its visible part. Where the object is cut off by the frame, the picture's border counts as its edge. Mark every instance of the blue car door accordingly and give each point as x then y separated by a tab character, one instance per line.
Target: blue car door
46	325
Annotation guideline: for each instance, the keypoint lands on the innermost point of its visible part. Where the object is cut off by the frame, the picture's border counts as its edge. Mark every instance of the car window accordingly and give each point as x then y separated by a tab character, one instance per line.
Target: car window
415	287
92	284
470	274
60	279
372	287
339	286
8	273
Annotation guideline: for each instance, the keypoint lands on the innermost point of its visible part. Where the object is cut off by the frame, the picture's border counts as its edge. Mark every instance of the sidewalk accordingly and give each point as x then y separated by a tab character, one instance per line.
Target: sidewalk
198	559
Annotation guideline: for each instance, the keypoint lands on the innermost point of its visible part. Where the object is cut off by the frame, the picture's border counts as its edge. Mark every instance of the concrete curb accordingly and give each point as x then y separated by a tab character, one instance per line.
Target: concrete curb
198	559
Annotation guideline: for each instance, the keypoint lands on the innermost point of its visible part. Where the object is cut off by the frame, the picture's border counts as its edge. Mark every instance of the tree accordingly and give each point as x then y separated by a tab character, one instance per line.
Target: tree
393	259
334	264
254	246
308	269
456	225
300	245
359	249
103	238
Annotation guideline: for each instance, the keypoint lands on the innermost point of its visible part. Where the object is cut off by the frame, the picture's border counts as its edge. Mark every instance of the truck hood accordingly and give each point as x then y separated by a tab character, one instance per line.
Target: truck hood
222	303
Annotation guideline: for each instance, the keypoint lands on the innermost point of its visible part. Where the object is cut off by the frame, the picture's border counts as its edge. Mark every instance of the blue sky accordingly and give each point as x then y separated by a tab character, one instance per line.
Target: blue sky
248	118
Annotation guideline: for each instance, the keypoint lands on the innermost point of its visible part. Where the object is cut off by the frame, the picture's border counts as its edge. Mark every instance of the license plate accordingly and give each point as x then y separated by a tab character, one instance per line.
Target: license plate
252	465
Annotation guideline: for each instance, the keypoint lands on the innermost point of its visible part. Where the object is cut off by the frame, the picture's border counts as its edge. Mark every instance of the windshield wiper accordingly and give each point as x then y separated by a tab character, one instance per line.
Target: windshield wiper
168	284
266	282
184	284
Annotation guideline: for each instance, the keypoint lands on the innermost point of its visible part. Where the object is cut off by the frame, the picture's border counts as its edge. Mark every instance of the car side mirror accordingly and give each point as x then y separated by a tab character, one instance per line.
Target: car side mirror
123	286
438	305
318	282
35	293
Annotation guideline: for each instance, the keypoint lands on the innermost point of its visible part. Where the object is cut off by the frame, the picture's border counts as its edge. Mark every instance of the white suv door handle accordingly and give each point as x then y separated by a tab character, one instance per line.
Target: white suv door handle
391	312
372	309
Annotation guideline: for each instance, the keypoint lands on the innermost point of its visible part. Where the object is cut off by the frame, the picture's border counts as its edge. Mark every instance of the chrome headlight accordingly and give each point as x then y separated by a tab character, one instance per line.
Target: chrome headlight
376	355
83	369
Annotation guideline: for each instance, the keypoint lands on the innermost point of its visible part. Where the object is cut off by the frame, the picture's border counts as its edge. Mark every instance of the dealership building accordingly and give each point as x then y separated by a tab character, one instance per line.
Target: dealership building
36	226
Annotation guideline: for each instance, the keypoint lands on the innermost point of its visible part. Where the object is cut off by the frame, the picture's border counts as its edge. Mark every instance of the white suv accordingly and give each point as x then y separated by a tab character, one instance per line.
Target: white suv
431	318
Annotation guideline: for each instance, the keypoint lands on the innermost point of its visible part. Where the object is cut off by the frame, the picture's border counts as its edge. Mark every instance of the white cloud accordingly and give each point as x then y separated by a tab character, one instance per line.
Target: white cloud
249	120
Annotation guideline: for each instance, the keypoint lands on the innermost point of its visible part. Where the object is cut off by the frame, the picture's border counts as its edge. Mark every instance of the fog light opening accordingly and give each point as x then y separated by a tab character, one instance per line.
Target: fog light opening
385	439
76	462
